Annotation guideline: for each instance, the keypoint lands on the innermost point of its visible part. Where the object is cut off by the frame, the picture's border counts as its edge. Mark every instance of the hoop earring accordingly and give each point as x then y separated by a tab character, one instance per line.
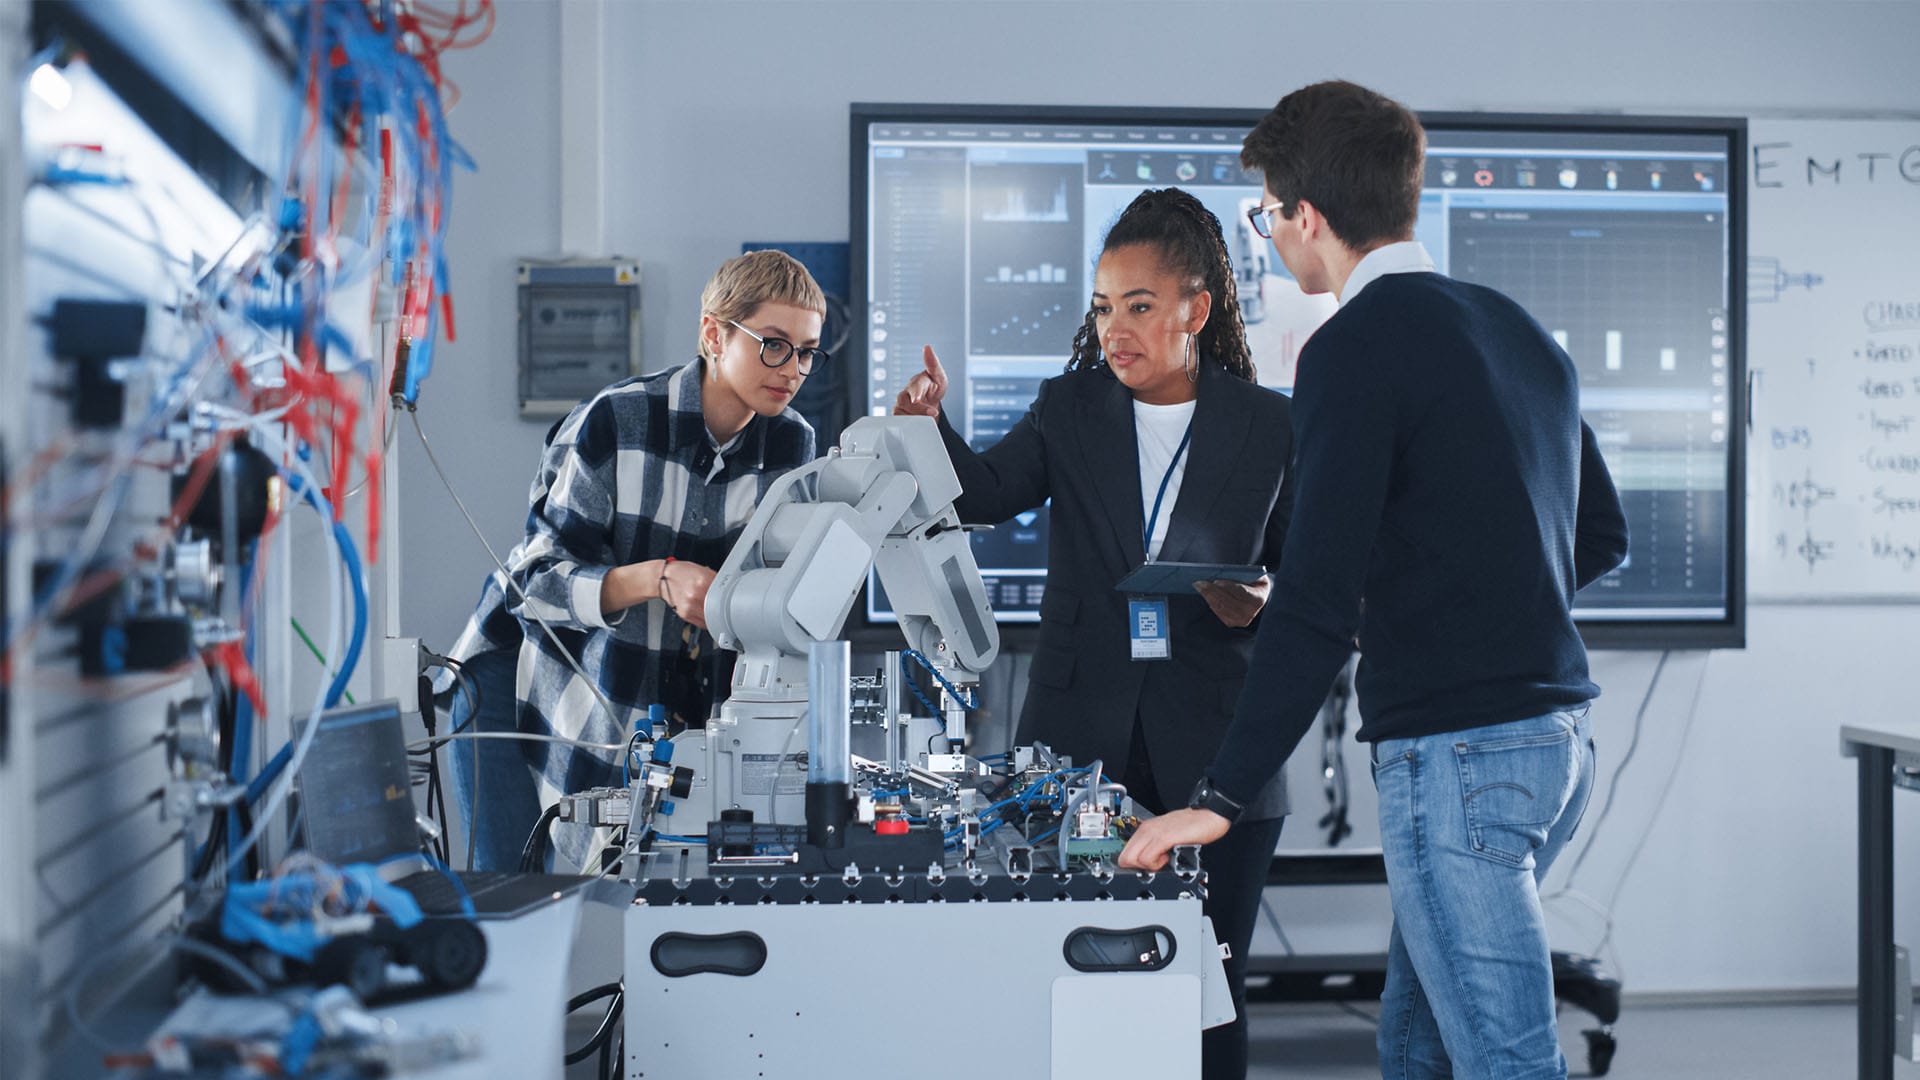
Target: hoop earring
1192	363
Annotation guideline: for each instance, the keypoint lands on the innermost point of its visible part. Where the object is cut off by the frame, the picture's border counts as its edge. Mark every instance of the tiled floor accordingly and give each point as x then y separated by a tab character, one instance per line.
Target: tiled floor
1749	1042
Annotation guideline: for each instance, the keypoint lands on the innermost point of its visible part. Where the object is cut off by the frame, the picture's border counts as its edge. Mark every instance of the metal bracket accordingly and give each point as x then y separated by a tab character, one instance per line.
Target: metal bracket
1020	862
1904	1044
1186	861
1907	776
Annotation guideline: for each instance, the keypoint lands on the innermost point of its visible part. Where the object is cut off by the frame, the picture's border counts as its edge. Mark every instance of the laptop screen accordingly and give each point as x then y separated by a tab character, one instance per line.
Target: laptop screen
356	798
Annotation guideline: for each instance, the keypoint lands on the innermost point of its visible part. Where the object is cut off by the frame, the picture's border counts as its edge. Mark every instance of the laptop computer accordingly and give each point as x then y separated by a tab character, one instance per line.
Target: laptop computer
357	806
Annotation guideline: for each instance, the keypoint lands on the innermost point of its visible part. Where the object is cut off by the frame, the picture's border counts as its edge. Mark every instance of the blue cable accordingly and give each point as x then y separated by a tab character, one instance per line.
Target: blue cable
671	839
258	785
382	81
349	556
922	698
242	752
918	656
1025	800
243	710
242	715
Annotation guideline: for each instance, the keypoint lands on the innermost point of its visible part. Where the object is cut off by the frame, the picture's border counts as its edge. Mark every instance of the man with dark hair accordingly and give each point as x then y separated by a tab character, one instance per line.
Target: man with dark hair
1445	478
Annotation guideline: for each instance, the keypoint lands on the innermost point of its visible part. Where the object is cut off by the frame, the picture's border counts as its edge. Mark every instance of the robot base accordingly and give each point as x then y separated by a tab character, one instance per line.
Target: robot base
726	990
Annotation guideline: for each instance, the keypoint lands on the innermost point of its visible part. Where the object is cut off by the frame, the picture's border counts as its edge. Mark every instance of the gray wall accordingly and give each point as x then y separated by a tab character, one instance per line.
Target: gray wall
507	118
726	122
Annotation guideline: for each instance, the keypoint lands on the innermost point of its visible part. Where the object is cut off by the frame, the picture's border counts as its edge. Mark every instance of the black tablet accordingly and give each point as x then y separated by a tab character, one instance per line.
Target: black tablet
1180	577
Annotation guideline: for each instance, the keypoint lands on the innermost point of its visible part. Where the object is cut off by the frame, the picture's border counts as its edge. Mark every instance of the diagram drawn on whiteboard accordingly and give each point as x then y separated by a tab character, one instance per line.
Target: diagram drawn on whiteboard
1802	495
1813	550
1766	280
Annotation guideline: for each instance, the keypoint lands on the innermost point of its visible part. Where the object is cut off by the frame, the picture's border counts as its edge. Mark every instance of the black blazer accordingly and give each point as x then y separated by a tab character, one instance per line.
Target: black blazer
1076	445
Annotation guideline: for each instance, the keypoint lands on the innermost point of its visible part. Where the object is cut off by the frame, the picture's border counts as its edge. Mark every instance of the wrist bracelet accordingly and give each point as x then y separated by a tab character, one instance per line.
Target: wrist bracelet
664	594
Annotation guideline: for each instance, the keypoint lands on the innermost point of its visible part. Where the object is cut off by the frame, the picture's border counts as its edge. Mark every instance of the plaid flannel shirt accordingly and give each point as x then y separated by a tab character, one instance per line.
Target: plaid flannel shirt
631	474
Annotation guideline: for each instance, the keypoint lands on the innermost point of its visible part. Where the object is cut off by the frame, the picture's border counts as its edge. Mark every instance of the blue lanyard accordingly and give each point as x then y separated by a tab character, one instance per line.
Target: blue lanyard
1146	535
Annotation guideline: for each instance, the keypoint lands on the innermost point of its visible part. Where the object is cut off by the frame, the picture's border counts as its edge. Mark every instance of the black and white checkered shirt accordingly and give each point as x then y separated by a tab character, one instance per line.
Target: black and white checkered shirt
631	474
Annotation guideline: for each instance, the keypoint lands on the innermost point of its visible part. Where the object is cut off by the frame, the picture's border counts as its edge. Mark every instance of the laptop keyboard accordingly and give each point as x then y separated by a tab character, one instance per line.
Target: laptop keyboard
495	894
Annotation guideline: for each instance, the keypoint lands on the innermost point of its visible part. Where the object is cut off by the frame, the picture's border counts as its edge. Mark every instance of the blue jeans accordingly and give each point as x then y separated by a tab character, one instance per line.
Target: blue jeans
1469	823
508	795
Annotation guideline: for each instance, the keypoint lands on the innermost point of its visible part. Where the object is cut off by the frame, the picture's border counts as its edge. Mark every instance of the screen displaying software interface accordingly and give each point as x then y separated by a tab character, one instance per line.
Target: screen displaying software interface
982	238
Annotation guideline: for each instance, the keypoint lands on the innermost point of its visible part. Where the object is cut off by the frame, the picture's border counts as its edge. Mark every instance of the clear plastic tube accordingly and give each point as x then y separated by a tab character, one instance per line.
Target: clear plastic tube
829	723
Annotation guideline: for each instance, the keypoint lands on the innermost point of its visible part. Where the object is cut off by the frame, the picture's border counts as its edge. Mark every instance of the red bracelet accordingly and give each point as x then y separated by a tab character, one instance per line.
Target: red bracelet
664	595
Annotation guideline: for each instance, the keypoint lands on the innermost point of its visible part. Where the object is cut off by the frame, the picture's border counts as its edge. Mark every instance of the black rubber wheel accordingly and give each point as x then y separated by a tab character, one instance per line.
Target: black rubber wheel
1600	1048
450	953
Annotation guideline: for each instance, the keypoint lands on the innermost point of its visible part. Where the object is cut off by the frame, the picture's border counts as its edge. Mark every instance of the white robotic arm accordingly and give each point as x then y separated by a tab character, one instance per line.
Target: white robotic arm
883	498
926	562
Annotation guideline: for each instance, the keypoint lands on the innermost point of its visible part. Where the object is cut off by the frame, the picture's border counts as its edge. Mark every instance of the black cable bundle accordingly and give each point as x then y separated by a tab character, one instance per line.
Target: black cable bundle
533	856
436	796
429	718
610	1055
610	855
603	1036
213	851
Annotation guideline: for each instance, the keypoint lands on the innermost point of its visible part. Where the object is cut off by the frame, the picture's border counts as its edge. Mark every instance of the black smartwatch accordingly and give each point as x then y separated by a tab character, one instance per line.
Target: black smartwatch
1207	797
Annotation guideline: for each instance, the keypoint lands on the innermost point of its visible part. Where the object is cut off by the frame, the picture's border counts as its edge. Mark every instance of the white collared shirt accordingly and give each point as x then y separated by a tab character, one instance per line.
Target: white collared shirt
1400	257
1159	431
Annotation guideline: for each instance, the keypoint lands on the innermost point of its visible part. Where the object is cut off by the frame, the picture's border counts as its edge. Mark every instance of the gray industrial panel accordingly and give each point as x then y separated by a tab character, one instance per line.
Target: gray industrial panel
1085	1010
854	982
579	331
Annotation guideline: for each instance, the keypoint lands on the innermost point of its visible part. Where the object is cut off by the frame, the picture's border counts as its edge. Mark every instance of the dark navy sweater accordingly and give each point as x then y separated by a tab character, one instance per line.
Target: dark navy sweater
1447	485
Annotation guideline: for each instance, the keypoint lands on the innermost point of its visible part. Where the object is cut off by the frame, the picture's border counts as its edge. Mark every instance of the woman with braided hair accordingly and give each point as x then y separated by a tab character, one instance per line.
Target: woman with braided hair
1155	445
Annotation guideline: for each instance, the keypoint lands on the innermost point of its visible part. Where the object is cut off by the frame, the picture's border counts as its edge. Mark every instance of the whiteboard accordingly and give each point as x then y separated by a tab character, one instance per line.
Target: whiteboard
1833	348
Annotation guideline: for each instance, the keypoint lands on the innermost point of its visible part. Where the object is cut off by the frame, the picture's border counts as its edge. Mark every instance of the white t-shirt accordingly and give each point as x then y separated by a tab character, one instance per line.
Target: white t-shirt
1158	429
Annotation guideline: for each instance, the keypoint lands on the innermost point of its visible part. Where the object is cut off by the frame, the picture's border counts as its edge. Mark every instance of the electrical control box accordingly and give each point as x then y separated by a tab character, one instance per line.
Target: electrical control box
579	330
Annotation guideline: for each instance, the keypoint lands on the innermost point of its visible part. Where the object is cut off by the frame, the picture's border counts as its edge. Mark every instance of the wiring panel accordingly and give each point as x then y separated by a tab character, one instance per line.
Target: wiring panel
216	321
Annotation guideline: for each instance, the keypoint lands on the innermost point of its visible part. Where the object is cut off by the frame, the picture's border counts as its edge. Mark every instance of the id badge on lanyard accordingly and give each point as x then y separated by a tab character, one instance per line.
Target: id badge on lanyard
1147	627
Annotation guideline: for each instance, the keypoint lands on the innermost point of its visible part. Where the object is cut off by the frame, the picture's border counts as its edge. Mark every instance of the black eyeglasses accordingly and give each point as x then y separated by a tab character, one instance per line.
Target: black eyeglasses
775	352
1261	218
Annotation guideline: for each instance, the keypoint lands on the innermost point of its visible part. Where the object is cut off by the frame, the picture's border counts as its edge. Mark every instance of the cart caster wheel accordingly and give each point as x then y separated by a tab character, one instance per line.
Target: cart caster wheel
1600	1047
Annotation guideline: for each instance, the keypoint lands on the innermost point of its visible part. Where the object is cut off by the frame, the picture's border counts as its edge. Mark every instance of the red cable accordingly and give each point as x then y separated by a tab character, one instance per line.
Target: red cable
232	658
376	463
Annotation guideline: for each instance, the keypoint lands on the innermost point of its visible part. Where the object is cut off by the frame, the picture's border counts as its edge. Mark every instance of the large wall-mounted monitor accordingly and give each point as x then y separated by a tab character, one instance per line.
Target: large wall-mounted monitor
975	230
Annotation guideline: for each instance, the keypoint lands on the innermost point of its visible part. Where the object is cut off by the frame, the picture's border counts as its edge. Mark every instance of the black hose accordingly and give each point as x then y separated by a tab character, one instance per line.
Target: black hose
533	856
211	851
436	794
588	997
611	1052
610	855
604	1033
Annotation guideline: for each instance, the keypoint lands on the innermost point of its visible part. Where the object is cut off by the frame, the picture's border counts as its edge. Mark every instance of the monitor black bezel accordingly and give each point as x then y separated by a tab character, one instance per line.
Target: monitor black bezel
1725	632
